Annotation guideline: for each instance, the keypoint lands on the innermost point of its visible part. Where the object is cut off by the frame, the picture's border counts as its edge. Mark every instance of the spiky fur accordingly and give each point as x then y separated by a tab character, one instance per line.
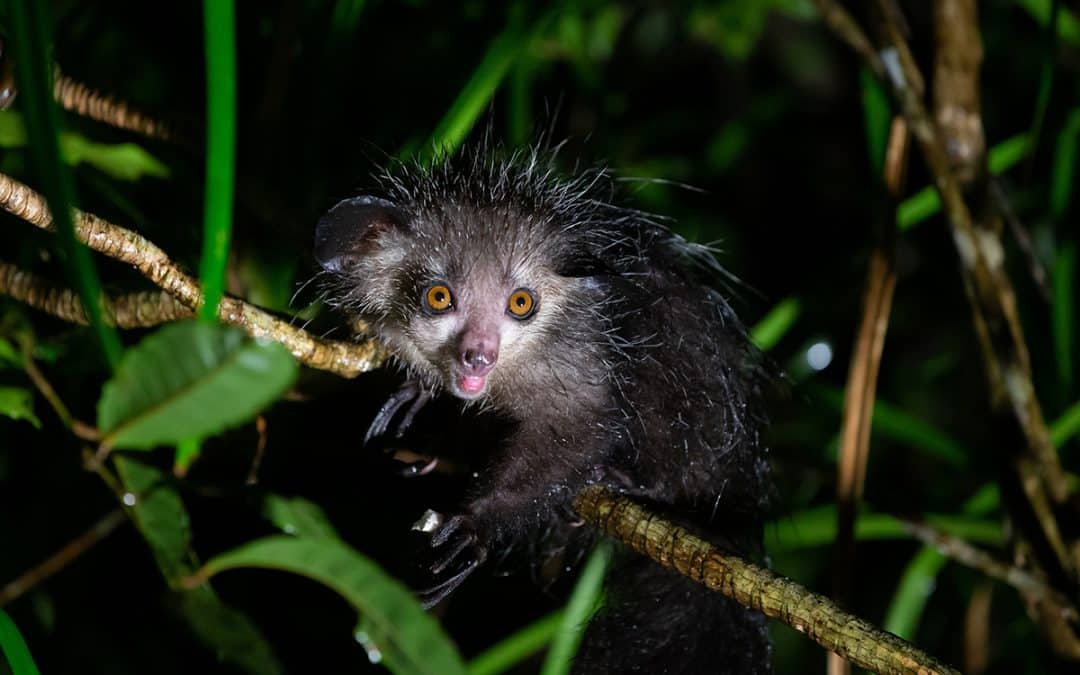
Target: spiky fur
634	373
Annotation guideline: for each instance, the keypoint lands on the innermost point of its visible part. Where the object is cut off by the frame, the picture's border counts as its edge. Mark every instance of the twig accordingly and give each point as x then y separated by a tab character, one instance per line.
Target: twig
131	310
977	630
847	29
342	358
1022	237
80	429
818	617
62	558
995	318
861	388
260	451
968	555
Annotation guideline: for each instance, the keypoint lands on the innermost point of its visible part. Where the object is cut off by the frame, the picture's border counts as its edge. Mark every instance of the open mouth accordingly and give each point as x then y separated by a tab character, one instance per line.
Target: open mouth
472	384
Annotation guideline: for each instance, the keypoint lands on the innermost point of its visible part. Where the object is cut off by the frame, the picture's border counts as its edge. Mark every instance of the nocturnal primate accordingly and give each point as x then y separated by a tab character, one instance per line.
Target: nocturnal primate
602	337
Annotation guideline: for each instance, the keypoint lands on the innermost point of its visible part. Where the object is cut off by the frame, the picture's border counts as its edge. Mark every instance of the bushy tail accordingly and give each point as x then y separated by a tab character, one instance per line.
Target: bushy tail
656	621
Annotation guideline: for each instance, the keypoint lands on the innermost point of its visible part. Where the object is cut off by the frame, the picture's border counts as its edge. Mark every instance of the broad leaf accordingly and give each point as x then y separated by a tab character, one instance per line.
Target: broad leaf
298	517
18	404
395	630
227	631
190	380
123	161
163	521
160	516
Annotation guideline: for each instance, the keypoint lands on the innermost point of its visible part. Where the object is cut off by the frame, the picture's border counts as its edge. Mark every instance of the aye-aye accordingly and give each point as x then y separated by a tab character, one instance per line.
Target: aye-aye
602	337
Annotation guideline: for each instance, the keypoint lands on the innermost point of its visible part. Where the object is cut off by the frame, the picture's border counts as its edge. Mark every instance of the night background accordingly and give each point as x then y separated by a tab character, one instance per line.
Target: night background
748	124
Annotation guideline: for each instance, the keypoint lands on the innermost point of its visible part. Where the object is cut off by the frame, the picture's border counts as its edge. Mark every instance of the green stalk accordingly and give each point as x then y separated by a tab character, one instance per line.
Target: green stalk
583	602
219	18
30	24
517	647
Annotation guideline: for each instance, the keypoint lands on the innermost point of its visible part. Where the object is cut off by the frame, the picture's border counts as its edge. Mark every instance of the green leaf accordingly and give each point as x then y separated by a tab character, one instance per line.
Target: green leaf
18	404
298	517
514	649
227	631
502	53
9	355
584	601
903	427
772	328
1063	176
14	647
161	518
877	114
916	585
190	380
1066	426
920	576
817	527
733	28
123	161
1068	26
396	631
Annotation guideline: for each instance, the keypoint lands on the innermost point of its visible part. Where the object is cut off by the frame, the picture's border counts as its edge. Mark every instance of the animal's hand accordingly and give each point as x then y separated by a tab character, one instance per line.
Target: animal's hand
458	550
410	391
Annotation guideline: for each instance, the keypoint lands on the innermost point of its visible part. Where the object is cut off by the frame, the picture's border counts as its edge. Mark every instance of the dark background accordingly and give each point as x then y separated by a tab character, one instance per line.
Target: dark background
756	107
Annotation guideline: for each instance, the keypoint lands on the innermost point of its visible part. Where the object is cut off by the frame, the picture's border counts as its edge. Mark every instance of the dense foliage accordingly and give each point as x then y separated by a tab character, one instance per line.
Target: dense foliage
746	122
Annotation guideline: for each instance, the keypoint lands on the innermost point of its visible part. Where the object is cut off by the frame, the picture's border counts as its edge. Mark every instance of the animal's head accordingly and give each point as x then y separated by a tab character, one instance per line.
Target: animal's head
467	296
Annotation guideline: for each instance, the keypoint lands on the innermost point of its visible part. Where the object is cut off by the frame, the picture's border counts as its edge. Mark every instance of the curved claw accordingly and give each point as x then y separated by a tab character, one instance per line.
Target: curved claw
410	391
455	543
421	400
430	597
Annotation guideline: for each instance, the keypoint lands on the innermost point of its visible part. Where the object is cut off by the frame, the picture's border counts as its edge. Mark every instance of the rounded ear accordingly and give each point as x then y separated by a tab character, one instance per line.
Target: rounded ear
349	230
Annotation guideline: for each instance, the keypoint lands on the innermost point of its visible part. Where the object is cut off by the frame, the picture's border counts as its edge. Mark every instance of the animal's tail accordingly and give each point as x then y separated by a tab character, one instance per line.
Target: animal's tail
658	622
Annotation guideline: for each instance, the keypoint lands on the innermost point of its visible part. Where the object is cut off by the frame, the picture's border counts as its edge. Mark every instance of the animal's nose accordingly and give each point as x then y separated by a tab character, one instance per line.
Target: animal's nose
479	360
478	351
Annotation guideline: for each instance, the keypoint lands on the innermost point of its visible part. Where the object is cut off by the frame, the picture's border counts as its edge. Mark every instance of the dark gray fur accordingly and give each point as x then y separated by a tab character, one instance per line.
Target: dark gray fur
634	373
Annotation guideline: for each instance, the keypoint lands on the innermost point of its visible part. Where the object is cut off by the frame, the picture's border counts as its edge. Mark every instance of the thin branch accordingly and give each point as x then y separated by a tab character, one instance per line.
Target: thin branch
819	618
260	451
62	558
861	388
81	429
847	29
1022	237
131	310
995	316
342	358
80	99
966	554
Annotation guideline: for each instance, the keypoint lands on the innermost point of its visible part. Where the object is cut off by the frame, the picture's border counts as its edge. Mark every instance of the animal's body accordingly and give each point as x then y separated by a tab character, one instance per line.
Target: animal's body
603	337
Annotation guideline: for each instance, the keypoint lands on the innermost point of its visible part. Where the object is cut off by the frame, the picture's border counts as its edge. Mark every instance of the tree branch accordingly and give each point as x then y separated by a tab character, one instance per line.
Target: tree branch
131	310
857	640
62	558
86	101
986	284
342	358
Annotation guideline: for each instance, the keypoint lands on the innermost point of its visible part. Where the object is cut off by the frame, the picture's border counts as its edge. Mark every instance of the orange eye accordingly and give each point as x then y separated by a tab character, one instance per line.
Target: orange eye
438	298
522	303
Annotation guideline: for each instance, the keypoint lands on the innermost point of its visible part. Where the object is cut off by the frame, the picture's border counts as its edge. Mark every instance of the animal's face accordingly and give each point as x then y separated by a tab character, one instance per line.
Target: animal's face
465	297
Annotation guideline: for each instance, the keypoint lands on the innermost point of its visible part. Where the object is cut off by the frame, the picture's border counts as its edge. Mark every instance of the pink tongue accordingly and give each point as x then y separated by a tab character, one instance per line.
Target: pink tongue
472	383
